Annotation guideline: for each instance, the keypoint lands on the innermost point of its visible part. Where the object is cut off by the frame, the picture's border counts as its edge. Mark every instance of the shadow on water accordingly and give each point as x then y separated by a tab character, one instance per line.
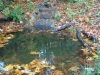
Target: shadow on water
18	50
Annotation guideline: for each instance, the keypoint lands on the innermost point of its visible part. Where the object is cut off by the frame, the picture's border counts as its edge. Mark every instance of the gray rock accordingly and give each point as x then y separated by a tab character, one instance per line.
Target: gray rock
43	25
45	5
44	8
2	65
46	16
46	0
41	6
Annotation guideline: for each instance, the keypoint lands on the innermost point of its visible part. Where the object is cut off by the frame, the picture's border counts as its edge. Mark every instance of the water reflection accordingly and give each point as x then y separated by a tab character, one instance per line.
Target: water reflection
48	57
50	46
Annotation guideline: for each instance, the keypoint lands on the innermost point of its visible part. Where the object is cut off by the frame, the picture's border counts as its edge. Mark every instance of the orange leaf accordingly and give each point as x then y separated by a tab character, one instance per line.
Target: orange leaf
33	52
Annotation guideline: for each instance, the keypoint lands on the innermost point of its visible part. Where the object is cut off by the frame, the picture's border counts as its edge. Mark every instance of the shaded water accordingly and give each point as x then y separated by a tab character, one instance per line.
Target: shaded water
18	50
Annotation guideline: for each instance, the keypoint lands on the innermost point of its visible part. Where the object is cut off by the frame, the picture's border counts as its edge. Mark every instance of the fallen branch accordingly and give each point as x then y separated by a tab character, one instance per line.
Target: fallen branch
90	37
64	26
78	35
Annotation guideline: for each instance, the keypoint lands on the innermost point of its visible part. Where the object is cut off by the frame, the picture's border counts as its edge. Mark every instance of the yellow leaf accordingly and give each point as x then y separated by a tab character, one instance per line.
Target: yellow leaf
26	65
95	56
10	36
34	52
27	13
2	45
86	19
75	39
3	40
37	70
62	38
80	19
31	20
67	22
62	20
10	66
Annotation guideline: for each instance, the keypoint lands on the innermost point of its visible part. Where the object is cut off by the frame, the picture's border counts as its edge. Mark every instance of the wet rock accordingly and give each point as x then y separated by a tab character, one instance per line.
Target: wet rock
43	25
2	65
46	0
46	16
45	5
41	6
46	10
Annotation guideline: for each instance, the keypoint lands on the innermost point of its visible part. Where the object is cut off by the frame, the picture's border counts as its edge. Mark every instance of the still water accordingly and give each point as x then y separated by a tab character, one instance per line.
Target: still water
19	50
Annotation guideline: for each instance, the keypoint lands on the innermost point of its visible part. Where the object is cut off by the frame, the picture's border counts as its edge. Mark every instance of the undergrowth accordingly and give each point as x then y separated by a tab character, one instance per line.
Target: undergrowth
15	11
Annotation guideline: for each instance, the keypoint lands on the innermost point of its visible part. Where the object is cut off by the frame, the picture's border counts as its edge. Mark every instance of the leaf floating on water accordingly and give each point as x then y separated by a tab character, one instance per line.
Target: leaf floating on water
8	67
52	67
10	36
74	69
34	52
62	38
2	45
75	39
3	40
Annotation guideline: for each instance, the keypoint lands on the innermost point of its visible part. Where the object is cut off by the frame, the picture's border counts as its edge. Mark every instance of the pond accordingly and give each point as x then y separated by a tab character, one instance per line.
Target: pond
26	47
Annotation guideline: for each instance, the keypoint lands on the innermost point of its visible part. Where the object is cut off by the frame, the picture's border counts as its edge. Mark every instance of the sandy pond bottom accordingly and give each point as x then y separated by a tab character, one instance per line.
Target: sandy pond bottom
57	49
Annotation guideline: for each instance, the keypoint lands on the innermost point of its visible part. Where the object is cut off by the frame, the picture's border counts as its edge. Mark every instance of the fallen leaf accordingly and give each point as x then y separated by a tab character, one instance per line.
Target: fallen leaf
75	39
80	19
2	45
37	70
61	38
74	69
10	36
34	52
27	13
86	19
